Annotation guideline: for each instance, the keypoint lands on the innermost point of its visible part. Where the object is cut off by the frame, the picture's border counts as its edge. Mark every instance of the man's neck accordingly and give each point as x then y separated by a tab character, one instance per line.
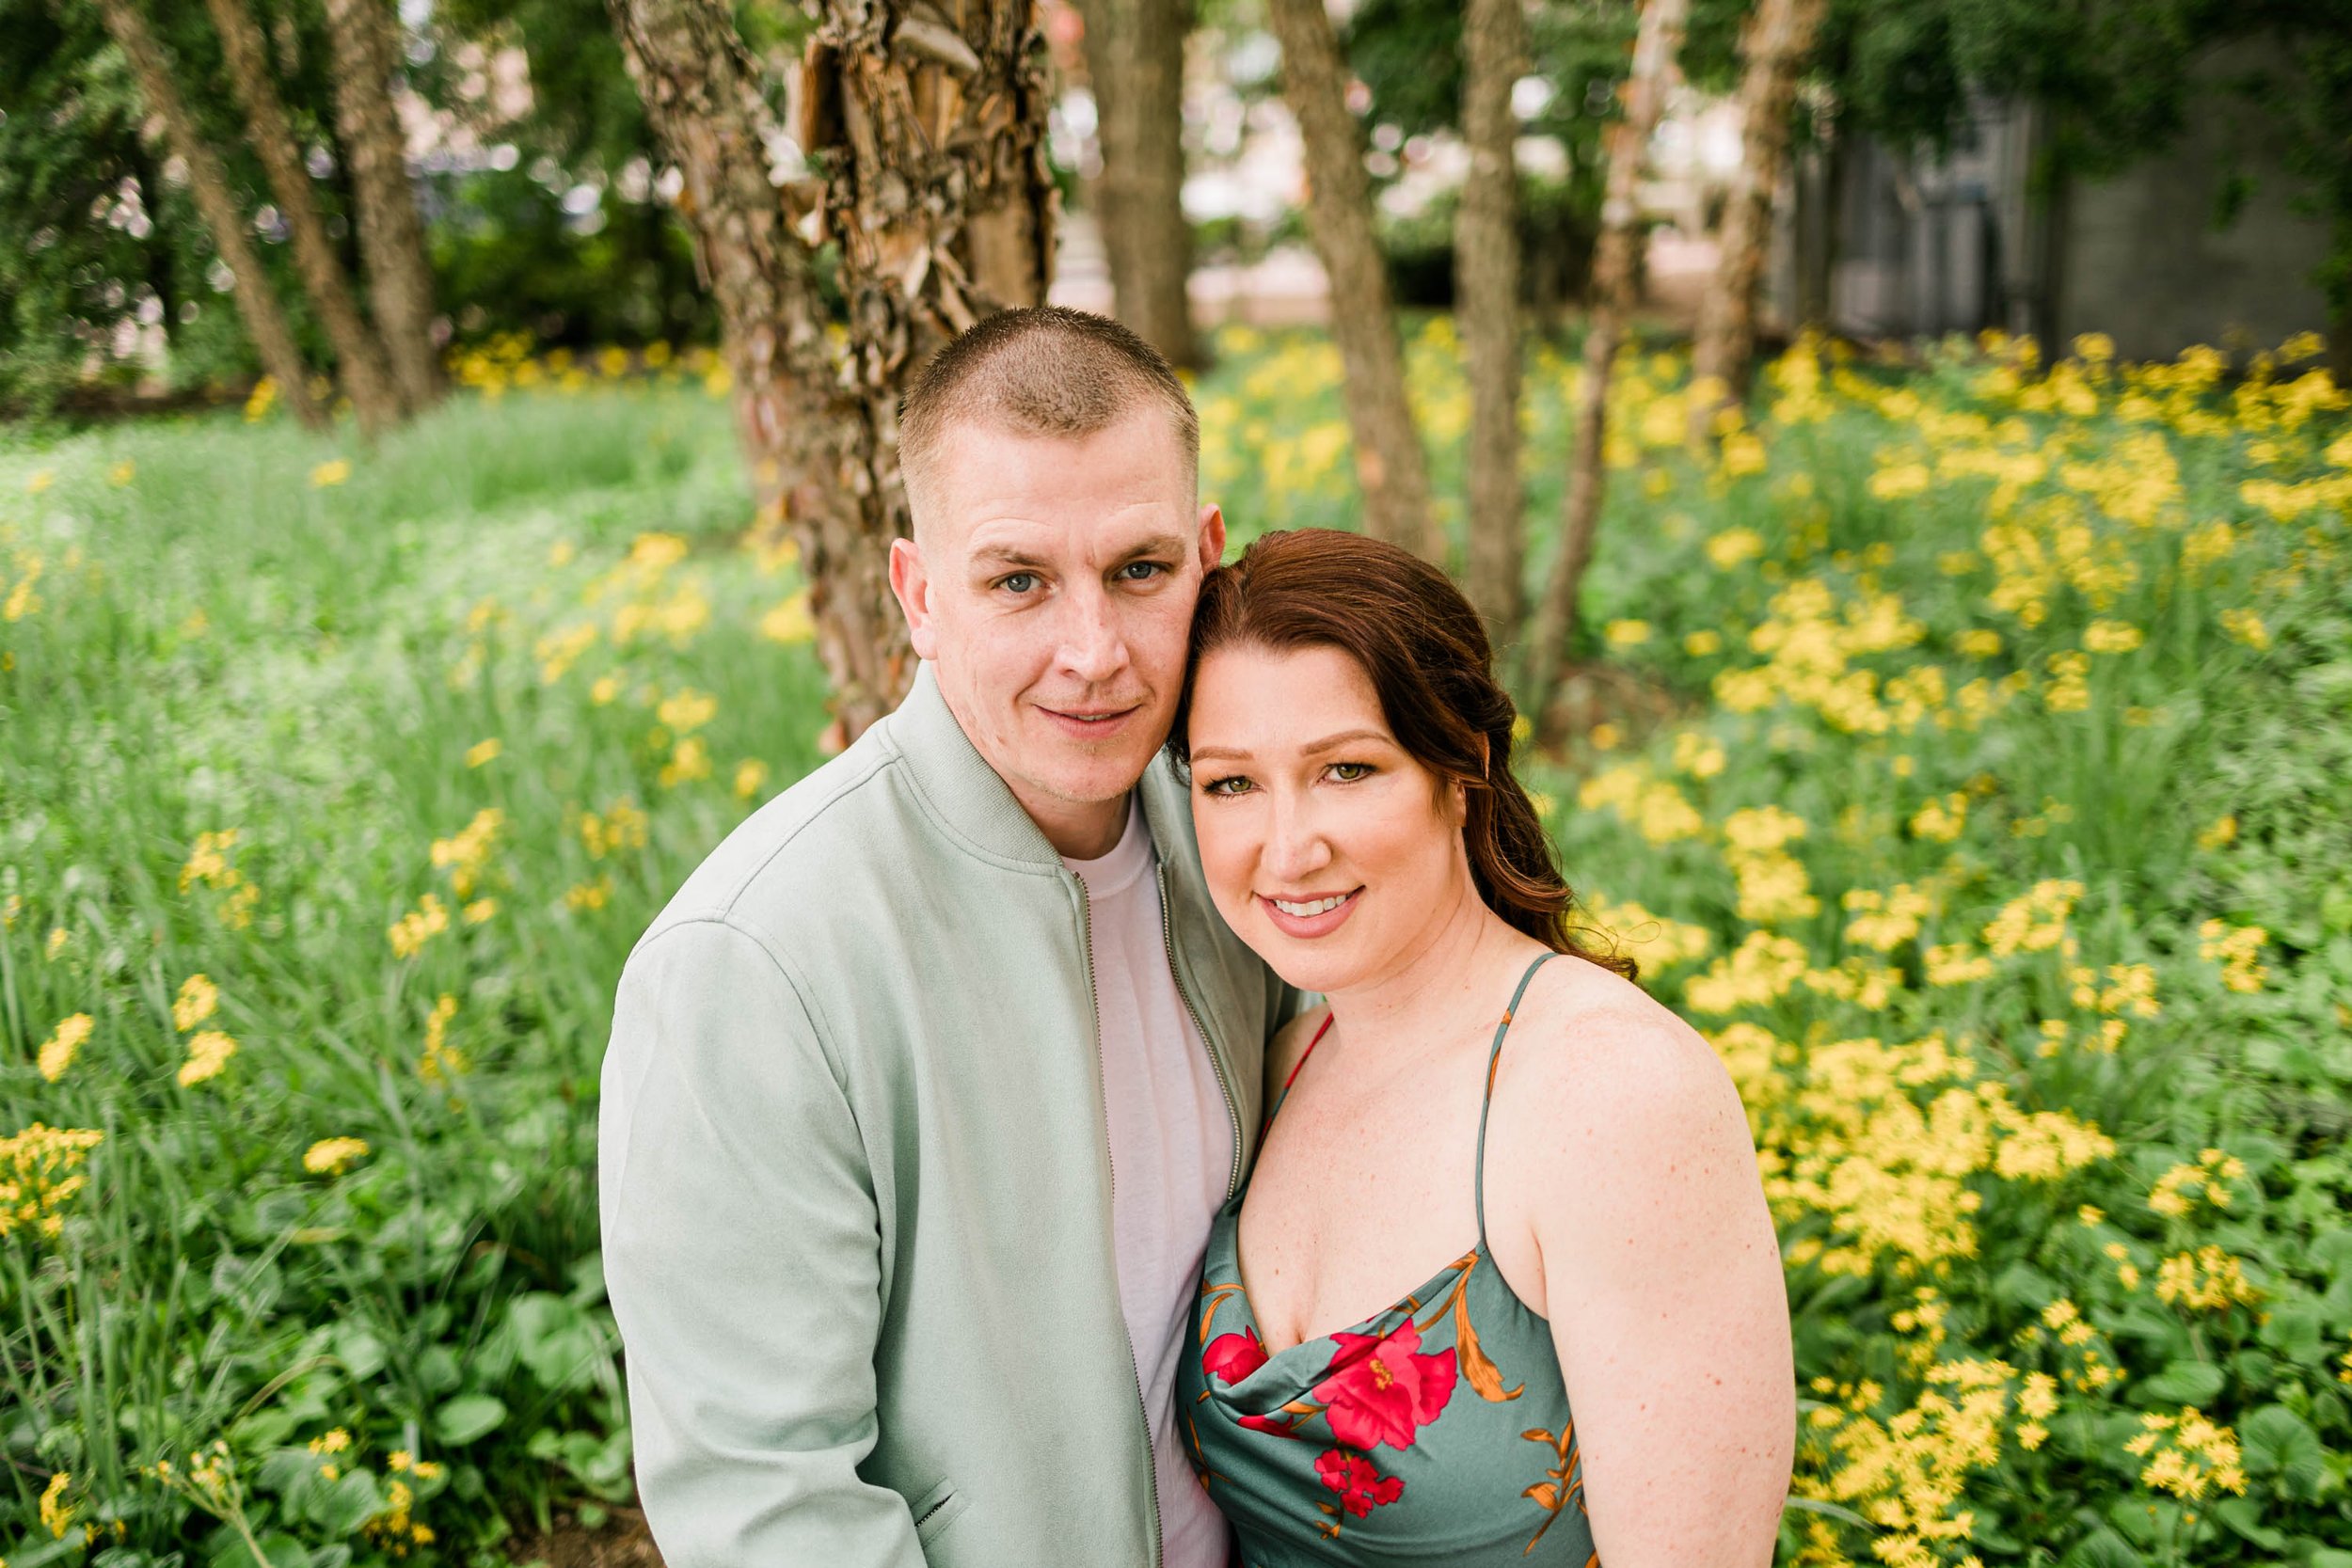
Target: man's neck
1078	829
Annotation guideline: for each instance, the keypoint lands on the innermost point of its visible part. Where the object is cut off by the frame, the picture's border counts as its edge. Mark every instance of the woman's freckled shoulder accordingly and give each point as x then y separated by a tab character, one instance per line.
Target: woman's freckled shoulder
1600	1043
1289	1044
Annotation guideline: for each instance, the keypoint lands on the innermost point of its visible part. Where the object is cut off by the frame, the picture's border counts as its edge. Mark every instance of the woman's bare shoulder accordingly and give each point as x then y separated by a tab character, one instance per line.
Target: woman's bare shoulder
1598	1046
1290	1042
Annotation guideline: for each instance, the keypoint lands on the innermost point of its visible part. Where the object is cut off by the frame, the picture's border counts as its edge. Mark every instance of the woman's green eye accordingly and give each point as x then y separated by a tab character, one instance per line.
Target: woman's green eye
1348	772
1225	786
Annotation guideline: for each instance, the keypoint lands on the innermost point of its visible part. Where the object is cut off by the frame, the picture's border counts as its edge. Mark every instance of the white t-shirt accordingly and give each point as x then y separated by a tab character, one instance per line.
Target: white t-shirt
1171	1151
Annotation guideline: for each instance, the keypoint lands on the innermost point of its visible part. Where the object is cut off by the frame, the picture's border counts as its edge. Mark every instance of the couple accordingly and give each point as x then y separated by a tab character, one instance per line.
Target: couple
977	1188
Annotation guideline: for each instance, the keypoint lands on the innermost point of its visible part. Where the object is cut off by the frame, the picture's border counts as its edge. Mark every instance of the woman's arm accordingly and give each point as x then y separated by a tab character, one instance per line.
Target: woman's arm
1663	1282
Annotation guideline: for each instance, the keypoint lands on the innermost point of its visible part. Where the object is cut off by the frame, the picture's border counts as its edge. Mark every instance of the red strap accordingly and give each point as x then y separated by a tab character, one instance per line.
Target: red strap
1309	1052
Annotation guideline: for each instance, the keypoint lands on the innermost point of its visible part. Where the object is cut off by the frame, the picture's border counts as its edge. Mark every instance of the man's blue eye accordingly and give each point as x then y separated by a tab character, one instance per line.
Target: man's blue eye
1147	568
1020	582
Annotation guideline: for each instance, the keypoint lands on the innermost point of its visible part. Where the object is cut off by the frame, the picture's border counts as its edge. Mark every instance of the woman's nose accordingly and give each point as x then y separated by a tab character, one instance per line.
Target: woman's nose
1295	846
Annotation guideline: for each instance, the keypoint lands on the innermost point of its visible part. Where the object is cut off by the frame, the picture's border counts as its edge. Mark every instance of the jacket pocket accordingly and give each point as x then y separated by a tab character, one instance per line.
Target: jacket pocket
935	1509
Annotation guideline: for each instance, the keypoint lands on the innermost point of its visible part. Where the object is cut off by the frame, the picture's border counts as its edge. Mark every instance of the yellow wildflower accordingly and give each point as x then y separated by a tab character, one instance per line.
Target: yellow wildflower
412	930
56	1052
207	1054
750	774
198	999
484	751
334	471
39	1170
333	1156
56	1515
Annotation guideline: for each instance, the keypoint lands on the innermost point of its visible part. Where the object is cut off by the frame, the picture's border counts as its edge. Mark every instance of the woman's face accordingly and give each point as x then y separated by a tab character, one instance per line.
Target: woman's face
1329	848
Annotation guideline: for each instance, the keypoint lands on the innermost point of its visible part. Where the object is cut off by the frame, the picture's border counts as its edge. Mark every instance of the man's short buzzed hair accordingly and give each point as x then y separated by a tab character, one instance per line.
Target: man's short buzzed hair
1040	370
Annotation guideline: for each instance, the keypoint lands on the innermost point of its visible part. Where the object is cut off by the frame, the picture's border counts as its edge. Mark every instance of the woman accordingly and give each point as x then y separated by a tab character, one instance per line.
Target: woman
1588	1196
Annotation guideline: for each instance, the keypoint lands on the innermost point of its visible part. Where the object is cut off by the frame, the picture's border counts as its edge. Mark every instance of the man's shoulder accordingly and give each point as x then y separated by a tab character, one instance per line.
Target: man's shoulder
804	848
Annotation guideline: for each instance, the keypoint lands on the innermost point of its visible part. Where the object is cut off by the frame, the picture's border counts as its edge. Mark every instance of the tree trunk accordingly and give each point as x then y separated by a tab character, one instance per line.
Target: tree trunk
365	37
208	183
1655	46
935	187
359	359
1773	45
1486	295
1389	466
1135	52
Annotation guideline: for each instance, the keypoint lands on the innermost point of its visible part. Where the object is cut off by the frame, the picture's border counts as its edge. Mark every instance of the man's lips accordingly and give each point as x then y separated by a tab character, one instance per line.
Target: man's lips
1315	915
1094	722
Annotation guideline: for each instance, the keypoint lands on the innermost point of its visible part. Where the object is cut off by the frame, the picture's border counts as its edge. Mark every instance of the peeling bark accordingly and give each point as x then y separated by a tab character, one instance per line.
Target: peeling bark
208	183
1774	45
1390	468
358	357
927	170
365	37
1655	43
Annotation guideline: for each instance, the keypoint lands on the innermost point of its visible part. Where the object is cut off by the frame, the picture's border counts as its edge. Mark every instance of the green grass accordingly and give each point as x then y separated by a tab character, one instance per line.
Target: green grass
214	642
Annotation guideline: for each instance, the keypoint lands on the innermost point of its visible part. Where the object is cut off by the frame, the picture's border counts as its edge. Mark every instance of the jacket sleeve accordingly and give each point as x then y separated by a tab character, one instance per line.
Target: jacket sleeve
742	1254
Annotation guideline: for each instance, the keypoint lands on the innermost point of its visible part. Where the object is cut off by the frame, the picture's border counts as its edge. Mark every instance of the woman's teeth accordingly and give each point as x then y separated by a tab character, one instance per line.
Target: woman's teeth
1318	906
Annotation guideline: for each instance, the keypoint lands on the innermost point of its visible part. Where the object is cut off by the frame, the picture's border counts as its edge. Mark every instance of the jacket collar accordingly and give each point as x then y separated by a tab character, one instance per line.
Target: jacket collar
975	800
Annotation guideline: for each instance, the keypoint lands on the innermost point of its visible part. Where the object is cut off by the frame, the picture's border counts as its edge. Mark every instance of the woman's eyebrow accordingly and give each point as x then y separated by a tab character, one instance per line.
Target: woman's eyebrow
1330	742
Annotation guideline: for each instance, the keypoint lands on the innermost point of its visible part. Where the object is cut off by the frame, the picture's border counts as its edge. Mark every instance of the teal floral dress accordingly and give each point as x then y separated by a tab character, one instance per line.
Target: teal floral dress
1436	1431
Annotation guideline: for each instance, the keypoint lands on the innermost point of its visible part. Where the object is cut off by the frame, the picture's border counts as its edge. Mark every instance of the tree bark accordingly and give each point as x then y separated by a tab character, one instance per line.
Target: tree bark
931	139
1135	52
1487	292
365	38
359	359
208	183
1773	45
1655	43
1390	468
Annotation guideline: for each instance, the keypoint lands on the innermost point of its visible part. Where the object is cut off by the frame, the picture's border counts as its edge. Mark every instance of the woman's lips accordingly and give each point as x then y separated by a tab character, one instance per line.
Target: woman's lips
1321	925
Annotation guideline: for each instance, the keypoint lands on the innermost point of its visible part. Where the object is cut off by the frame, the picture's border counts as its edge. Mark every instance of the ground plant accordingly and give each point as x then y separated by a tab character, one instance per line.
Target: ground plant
1962	744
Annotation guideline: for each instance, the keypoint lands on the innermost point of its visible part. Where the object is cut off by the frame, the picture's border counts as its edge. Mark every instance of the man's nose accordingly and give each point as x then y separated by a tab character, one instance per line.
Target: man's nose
1093	644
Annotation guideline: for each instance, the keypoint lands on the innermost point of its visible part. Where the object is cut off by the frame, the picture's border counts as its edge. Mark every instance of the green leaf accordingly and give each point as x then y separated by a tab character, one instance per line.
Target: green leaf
2103	1548
2295	1330
278	1551
353	1500
2182	1383
2023	1285
467	1418
2244	1515
2277	1441
361	1353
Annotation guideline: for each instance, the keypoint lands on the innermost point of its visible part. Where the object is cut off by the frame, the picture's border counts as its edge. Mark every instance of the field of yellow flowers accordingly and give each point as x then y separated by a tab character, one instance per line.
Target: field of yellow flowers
1971	763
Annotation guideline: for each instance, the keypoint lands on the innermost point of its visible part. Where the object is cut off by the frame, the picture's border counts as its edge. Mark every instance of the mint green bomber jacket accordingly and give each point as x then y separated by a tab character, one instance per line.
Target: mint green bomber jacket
855	1184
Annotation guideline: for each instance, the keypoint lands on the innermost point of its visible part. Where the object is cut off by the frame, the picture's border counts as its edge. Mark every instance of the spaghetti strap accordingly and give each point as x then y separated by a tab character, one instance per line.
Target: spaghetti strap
1494	1059
1286	1082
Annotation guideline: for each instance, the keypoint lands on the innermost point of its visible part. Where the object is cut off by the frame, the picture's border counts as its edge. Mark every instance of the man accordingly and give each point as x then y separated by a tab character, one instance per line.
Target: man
873	1069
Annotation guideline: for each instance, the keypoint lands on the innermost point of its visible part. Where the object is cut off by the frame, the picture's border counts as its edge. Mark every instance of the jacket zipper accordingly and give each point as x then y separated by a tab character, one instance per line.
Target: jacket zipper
1216	1064
1135	1370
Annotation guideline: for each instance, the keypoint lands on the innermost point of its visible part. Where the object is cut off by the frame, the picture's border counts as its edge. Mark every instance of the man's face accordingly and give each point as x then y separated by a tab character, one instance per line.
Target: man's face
1051	584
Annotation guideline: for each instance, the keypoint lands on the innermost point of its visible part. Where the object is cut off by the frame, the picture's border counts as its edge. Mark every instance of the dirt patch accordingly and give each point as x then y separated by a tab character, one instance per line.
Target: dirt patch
621	1541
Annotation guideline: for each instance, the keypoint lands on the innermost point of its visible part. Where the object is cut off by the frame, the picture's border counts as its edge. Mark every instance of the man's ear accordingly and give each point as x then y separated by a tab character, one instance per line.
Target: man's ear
1211	536
911	583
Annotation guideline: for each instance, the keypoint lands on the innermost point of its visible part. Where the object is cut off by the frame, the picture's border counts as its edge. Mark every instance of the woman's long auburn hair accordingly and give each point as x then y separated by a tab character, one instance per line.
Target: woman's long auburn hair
1425	651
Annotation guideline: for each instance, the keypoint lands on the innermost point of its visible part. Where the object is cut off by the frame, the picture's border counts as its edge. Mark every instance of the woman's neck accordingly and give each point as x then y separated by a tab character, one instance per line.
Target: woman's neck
1448	979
